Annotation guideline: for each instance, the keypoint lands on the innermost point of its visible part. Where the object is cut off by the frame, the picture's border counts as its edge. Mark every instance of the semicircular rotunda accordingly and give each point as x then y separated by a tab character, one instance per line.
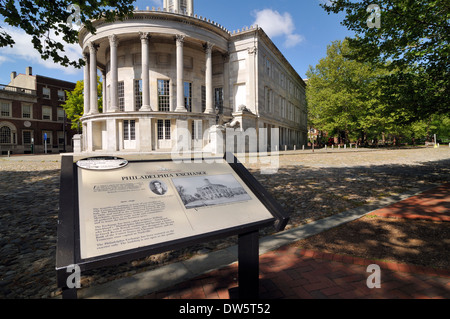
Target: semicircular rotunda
167	69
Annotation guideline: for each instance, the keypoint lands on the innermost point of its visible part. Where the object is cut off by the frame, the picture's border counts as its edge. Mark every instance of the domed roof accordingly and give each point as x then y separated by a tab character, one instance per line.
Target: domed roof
209	184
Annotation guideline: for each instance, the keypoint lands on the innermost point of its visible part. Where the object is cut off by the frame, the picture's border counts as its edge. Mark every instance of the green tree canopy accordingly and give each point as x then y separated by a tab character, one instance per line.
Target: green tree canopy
37	18
413	40
74	105
343	94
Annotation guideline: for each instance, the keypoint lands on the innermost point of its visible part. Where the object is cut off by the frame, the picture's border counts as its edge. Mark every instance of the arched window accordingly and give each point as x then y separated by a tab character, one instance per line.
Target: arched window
5	135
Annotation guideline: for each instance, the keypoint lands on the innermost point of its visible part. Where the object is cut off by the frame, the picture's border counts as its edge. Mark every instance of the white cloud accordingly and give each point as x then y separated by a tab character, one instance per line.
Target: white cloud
293	39
3	59
328	3
276	24
23	49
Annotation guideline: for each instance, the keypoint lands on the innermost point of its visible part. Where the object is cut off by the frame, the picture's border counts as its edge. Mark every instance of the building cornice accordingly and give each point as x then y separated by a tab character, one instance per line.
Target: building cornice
263	35
194	20
258	32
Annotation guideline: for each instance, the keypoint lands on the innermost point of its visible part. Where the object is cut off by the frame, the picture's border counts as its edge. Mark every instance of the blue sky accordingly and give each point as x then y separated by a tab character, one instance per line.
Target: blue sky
301	30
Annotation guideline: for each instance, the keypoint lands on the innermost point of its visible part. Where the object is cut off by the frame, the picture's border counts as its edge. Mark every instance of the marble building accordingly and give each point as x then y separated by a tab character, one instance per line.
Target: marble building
167	70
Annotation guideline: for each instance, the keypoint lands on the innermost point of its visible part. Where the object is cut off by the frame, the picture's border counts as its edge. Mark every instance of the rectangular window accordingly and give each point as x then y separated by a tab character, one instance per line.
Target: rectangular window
164	130
121	95
26	137
47	113
126	130
61	96
61	115
283	108
272	102
137	94
5	109
203	99
163	95
61	139
197	126
27	111
268	67
160	129
188	96
129	130
46	93
266	97
133	130
167	127
218	99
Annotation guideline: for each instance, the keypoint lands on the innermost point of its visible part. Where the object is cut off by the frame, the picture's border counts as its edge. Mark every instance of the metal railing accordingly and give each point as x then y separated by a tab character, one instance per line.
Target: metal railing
15	89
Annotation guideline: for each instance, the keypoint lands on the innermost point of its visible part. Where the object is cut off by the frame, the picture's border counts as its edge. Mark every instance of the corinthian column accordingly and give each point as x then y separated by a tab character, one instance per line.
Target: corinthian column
113	44
93	78
208	79
180	81
87	86
104	92
190	7
145	76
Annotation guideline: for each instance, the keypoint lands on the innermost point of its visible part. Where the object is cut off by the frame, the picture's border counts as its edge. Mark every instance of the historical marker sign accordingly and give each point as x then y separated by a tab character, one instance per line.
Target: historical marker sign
145	204
114	210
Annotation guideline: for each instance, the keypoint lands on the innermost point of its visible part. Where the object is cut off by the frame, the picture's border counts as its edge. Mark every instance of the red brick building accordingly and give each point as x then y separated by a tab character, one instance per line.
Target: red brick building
30	110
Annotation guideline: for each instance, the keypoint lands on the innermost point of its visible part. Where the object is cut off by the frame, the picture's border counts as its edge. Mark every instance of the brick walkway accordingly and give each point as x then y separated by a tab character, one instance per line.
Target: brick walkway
430	205
295	273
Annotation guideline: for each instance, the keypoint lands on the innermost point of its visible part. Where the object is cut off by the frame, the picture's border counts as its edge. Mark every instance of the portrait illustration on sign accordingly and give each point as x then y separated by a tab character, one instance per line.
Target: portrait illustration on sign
158	187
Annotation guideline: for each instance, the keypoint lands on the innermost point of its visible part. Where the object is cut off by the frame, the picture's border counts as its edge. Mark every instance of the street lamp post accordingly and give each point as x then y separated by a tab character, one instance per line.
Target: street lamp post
217	115
64	132
311	138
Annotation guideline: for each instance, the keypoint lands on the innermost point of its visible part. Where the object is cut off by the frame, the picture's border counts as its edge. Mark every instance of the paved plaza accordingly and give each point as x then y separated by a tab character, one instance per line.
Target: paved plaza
313	187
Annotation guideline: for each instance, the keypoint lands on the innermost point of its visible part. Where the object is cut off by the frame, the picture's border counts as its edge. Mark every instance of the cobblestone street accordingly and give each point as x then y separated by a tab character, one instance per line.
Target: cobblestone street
310	186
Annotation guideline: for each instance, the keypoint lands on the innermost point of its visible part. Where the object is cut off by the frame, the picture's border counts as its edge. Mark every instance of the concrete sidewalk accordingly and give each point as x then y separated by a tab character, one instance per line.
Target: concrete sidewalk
289	272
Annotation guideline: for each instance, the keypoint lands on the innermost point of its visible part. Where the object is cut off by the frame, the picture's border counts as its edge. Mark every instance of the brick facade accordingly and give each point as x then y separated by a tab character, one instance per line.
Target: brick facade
27	113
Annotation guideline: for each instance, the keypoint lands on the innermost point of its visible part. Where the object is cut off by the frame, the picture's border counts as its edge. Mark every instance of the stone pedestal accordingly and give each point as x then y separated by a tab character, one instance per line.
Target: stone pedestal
77	143
217	136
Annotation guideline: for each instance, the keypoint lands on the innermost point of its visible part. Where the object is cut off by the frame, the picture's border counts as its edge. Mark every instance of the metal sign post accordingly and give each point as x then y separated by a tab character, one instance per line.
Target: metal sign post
45	143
